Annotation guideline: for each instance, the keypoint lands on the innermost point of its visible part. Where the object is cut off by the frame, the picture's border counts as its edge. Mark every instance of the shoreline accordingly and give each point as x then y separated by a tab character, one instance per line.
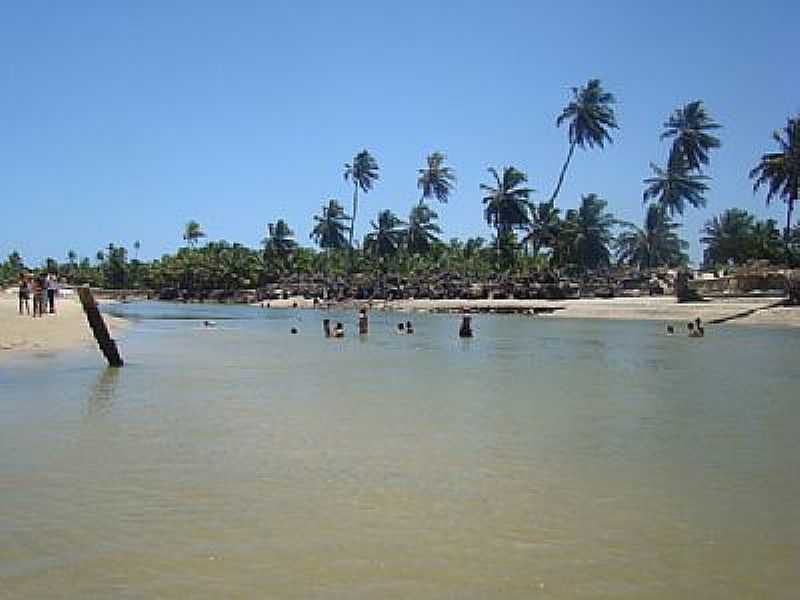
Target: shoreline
66	330
649	308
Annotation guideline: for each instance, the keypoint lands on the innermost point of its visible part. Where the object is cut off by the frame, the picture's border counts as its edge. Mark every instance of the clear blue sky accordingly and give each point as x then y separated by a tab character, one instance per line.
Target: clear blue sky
123	120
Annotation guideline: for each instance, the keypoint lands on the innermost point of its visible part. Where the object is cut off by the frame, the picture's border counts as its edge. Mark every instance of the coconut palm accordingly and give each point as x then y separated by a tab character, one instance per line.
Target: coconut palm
436	180
506	203
279	244
765	241
363	172
387	237
690	126
674	186
421	231
192	233
543	228
592	235
330	227
136	247
780	171
727	237
655	244
590	116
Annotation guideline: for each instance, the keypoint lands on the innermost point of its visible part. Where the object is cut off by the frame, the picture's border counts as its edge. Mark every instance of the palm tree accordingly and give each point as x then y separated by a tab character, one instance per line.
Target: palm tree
136	246
421	231
780	171
363	172
727	237
592	235
192	233
766	241
543	228
674	187
330	228
590	116
278	245
506	204
387	237
691	126
655	244
436	180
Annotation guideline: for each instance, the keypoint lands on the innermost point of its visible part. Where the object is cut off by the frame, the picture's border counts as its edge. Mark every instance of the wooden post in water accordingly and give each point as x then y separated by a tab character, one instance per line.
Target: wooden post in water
107	345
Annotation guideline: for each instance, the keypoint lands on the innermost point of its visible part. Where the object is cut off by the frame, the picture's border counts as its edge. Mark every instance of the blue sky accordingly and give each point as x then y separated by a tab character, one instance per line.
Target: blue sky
123	120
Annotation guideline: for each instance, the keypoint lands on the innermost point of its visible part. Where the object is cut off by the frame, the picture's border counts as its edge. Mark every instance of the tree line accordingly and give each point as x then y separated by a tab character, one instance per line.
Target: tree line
526	235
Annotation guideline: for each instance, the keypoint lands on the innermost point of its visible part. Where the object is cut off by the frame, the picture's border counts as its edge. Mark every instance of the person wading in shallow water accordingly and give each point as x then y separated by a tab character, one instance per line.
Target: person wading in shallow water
326	327
338	331
466	327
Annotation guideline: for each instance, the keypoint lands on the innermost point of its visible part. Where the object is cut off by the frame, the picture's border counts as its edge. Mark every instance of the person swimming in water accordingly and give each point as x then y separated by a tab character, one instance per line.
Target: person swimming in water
409	328
401	329
670	330
338	331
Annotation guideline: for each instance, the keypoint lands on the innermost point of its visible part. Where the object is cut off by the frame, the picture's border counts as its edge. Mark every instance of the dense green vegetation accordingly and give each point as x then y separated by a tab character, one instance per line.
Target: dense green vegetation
527	236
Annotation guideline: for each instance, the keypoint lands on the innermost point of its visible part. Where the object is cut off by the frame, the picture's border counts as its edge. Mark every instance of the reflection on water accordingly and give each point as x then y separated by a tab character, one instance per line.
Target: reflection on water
543	458
101	399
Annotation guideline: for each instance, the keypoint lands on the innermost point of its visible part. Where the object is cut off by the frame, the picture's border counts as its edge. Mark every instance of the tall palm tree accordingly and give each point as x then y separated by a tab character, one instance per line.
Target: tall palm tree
543	228
363	172
780	171
330	228
436	180
655	244
590	115
674	187
506	203
386	237
192	233
136	246
421	231
690	126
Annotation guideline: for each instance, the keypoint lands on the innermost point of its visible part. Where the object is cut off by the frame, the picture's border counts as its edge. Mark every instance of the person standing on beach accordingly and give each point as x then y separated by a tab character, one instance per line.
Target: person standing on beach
36	291
24	294
52	289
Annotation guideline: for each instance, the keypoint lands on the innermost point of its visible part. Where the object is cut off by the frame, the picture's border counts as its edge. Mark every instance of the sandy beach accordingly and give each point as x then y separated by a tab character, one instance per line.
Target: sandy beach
647	308
65	330
650	308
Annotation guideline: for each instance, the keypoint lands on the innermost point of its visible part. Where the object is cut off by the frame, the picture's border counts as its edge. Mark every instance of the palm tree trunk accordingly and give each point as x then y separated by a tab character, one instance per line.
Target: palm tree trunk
563	172
788	231
353	218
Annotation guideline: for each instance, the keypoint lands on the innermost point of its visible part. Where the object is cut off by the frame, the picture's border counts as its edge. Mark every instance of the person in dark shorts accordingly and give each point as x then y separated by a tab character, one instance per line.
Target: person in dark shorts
24	294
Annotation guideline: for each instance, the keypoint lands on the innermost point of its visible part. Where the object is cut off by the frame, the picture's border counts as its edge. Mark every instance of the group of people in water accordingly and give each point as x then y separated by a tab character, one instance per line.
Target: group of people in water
40	290
694	329
402	328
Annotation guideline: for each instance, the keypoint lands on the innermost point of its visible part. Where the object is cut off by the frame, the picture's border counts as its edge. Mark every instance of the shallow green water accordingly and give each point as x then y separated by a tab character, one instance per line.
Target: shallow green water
544	458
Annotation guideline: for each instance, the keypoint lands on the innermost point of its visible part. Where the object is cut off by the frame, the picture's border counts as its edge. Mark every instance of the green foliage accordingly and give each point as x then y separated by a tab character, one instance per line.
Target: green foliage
690	128
735	237
656	244
506	204
279	247
330	227
192	233
585	235
674	187
780	171
11	268
421	231
386	239
436	180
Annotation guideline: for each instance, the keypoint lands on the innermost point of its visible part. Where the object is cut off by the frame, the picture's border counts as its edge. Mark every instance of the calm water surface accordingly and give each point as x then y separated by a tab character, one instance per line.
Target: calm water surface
542	459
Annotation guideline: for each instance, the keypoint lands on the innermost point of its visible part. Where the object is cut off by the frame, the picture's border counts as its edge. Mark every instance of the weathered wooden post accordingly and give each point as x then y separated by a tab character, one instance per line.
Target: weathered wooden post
107	345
